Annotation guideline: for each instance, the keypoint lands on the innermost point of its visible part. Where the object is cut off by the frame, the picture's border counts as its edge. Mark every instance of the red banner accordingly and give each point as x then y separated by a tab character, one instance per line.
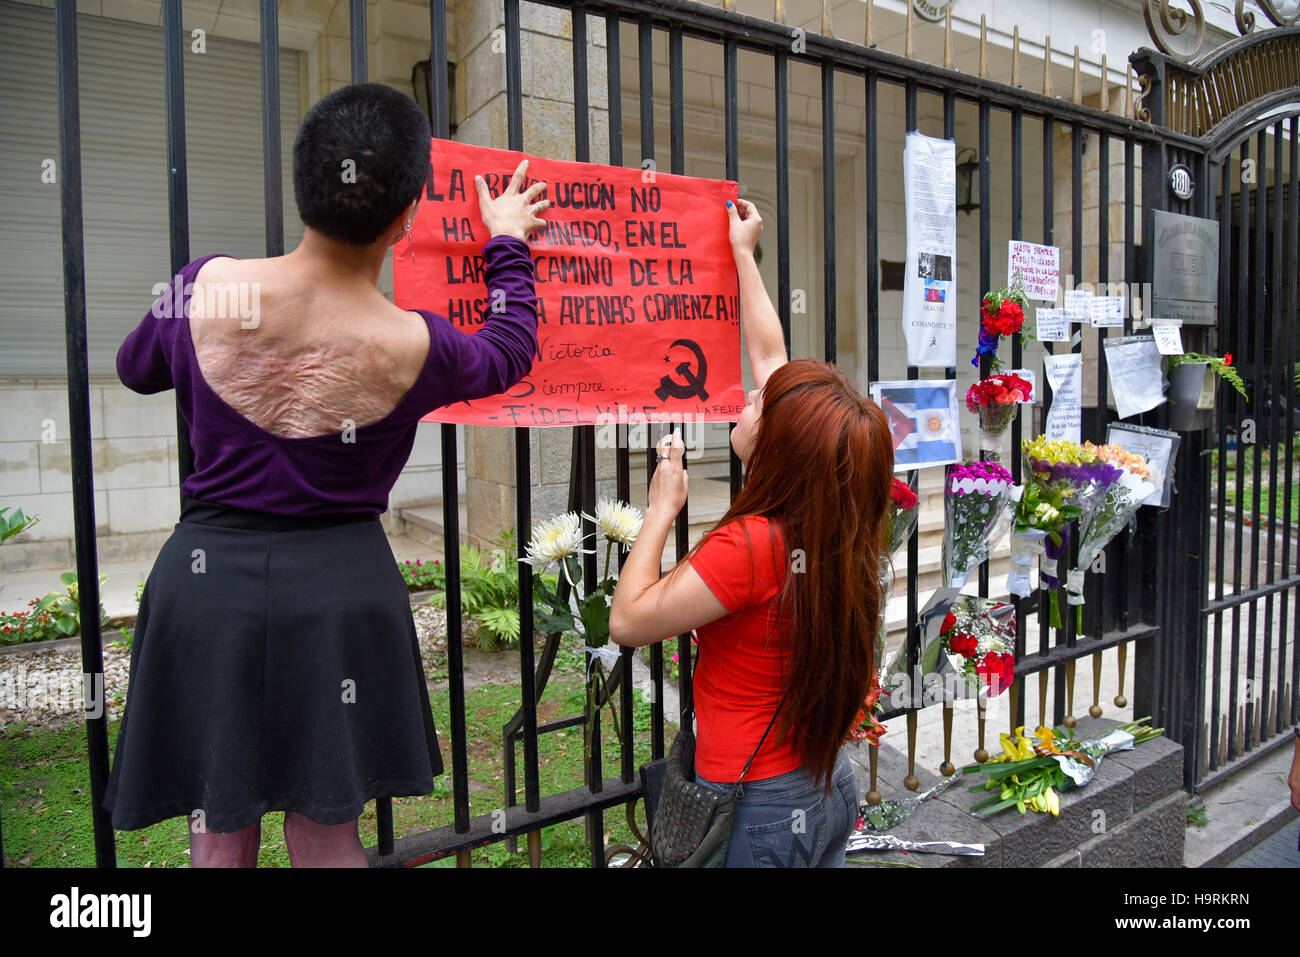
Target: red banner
638	304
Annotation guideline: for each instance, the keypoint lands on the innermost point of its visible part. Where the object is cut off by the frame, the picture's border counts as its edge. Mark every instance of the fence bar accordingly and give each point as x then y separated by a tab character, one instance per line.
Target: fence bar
1017	361
272	169
1221	508
913	636
622	464
357	34
1240	305
645	64
83	479
178	204
523	454
1049	233
1095	592
828	209
1257	405
986	264
732	145
677	143
1276	393
1293	252
782	120
872	158
1130	276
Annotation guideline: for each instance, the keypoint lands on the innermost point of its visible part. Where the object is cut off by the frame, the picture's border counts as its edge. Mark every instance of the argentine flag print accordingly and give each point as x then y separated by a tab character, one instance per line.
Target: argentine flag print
931	408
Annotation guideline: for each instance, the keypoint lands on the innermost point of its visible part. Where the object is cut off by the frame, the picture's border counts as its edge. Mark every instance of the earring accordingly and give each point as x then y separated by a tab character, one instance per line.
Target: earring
410	246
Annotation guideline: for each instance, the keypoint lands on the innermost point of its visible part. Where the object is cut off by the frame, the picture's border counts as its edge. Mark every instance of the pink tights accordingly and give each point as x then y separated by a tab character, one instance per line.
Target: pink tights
309	844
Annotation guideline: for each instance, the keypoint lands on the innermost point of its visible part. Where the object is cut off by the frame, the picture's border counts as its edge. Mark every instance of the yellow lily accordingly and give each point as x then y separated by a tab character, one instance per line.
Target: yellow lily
1046	738
1015	748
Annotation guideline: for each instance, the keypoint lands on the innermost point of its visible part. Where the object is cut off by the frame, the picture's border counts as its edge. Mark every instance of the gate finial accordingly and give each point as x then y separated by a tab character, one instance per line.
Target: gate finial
1047	65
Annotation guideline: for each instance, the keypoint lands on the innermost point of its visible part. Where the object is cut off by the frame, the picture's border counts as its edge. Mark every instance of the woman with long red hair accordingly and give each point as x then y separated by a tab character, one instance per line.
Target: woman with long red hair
783	592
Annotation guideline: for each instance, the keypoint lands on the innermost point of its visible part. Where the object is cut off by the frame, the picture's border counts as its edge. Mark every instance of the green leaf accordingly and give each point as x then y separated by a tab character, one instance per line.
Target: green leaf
68	578
594	610
574	566
554	620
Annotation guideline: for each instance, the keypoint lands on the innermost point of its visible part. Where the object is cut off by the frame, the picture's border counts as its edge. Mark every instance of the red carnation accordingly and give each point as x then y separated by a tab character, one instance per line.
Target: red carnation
999	671
963	644
901	494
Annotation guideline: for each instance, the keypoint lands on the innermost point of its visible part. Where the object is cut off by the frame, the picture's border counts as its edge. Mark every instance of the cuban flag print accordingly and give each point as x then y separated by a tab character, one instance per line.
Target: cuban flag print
924	418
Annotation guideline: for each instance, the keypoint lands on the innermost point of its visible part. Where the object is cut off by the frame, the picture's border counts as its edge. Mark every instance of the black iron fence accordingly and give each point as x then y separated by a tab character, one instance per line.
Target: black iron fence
1159	595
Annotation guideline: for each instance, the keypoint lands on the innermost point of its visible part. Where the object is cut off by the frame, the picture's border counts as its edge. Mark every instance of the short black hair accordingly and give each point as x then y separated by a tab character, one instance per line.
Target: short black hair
361	156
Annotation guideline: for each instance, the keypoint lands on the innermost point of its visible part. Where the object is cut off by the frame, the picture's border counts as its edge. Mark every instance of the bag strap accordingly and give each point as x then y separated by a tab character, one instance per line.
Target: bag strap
760	743
690	719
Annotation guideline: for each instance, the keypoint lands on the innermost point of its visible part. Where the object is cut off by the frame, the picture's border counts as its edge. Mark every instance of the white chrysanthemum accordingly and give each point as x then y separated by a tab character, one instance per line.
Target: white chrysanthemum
555	540
619	521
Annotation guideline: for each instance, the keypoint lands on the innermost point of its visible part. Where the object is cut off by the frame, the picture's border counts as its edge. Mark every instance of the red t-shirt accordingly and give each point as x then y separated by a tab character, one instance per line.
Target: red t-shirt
738	681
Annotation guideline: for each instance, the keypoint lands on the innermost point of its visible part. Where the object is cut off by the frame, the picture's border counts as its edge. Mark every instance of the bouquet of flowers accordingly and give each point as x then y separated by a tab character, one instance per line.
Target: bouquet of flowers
981	635
900	519
1029	773
585	614
1002	313
974	501
1114	509
900	522
995	400
866	727
1064	482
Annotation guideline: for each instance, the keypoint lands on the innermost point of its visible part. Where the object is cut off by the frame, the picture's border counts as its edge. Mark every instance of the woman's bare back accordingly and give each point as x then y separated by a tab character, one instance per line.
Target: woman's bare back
299	355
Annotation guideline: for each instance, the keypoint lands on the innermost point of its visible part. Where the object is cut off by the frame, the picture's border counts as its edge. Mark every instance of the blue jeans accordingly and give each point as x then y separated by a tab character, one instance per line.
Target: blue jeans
788	821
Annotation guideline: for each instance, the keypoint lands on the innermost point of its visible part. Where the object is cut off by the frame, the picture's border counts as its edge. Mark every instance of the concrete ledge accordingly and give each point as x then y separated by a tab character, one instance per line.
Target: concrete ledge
1153	838
1135	799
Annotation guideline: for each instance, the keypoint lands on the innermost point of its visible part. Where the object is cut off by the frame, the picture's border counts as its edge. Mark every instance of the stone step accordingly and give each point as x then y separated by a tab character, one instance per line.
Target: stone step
1132	814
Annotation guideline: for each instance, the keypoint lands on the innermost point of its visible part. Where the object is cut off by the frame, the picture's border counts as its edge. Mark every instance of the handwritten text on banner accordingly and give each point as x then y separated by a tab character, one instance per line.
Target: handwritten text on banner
638	305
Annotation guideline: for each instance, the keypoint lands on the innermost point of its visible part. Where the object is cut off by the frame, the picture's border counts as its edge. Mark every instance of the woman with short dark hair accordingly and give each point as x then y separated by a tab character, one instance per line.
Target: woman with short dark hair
783	593
275	664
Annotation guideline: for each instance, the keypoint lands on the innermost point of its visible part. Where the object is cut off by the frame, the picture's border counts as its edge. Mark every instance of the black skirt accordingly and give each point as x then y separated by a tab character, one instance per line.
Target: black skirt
274	666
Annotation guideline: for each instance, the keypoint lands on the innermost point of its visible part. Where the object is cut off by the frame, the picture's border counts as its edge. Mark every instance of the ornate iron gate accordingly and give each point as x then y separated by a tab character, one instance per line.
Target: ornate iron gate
1157	600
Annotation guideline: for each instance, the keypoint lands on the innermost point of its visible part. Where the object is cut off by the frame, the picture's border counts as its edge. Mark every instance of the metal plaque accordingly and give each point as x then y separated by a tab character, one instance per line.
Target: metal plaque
1186	281
1188	311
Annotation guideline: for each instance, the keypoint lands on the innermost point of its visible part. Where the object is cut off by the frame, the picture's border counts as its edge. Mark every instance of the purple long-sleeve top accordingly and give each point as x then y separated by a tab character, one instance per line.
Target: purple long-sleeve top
238	463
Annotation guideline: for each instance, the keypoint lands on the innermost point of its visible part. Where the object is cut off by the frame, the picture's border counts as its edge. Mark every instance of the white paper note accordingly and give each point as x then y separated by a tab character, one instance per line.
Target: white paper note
1136	379
1107	311
930	272
1051	325
1035	269
1078	305
1065	415
1169	336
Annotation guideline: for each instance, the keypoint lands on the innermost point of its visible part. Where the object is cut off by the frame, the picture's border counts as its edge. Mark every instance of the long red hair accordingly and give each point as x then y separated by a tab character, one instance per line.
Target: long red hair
821	468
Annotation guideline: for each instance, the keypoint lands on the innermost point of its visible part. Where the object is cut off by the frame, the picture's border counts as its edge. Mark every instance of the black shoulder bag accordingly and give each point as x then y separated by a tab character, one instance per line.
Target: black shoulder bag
690	824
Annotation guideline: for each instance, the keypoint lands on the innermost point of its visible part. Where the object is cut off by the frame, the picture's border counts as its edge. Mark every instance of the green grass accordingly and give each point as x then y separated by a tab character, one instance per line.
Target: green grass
1247	482
45	789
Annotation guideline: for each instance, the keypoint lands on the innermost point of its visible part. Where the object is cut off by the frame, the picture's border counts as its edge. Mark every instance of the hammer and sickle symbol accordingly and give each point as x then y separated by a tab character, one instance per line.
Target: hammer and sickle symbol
694	384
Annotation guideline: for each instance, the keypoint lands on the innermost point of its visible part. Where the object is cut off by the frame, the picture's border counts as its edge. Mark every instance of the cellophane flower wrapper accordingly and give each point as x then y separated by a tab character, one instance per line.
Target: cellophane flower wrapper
1064	484
1115	509
996	400
974	504
900	522
978	636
